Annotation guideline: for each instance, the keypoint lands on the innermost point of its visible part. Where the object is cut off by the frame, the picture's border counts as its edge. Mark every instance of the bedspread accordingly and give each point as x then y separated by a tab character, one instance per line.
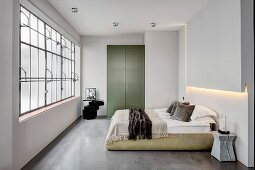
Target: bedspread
118	129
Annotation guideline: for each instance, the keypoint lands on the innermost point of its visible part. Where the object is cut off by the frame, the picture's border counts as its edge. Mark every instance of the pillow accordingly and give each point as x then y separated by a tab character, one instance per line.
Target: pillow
183	112
172	107
202	111
169	109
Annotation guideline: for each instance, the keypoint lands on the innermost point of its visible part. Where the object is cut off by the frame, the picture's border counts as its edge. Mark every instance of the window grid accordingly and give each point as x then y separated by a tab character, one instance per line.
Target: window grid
47	64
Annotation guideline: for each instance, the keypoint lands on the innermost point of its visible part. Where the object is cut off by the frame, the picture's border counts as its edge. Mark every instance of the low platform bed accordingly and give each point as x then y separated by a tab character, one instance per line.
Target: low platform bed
172	142
168	134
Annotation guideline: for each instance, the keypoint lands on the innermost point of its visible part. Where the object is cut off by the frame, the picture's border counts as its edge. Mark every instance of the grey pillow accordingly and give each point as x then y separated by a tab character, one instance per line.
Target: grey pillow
171	109
183	112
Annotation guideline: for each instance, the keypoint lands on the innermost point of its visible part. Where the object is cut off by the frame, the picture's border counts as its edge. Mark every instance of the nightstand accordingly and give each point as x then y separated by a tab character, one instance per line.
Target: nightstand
223	147
90	110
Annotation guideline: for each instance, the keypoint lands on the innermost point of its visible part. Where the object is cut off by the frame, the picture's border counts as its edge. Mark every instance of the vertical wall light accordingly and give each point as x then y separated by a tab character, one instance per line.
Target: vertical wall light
245	88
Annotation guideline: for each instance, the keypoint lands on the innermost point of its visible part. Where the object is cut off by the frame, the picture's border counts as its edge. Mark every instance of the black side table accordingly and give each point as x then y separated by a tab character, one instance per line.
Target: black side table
90	111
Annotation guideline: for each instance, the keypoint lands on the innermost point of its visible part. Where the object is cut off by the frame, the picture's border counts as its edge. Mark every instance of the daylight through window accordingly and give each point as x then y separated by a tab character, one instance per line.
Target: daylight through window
47	69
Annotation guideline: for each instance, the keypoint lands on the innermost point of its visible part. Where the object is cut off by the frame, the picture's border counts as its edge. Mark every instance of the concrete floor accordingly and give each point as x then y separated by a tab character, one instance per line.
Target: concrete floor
81	147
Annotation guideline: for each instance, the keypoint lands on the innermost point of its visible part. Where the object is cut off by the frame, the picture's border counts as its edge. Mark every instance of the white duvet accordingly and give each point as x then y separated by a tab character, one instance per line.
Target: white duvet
118	129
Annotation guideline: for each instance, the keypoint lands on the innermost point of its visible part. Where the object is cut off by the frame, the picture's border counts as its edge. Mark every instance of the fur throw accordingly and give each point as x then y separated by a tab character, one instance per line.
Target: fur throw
140	125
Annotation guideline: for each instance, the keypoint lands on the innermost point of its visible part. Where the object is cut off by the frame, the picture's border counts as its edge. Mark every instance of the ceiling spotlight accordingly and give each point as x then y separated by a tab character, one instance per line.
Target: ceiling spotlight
115	24
74	10
153	24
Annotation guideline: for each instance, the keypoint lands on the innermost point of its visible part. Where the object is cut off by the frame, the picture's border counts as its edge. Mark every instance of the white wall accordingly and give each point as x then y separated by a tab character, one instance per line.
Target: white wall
234	105
214	47
214	61
161	68
181	64
94	62
6	15
36	133
248	66
32	135
52	17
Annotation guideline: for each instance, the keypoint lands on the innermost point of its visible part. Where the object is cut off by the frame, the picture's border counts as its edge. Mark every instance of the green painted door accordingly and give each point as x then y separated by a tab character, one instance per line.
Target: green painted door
135	77
115	79
125	77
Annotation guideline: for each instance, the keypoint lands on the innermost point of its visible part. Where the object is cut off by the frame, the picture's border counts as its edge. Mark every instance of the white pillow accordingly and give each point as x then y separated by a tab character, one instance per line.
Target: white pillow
202	111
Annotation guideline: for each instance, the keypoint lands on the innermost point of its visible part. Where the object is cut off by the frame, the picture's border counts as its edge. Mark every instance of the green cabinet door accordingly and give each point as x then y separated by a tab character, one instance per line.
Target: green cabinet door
125	77
115	78
135	76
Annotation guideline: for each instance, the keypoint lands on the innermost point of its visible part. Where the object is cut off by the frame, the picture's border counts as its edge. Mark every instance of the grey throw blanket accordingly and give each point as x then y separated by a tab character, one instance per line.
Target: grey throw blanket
140	126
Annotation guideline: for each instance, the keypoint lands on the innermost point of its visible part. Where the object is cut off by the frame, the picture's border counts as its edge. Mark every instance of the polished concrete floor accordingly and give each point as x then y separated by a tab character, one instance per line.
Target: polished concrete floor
81	147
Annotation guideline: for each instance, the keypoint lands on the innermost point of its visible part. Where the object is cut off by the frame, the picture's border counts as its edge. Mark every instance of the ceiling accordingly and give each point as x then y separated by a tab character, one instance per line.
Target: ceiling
95	17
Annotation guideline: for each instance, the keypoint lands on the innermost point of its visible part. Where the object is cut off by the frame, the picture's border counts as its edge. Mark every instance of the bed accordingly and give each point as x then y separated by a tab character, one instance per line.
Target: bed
192	135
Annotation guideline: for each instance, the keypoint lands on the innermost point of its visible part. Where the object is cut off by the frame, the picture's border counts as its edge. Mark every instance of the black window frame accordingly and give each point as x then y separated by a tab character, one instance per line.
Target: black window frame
73	77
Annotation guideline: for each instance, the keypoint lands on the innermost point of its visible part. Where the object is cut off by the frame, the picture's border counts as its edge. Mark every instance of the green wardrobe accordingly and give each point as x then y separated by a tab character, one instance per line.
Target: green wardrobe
125	77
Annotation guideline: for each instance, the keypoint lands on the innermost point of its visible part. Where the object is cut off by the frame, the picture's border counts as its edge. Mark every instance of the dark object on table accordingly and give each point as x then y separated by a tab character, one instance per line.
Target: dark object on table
90	111
223	132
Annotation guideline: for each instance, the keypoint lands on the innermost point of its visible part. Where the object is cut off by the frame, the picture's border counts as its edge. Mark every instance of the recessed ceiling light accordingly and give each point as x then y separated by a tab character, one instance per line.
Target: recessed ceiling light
115	24
153	24
74	10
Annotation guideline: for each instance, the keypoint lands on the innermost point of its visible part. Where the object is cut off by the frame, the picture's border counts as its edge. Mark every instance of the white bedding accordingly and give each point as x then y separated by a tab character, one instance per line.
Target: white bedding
199	125
118	129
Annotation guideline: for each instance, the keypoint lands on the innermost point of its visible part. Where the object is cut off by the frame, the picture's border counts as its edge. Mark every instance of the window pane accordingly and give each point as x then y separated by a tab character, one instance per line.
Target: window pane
41	41
54	67
65	68
53	36
58	67
63	52
69	54
72	88
58	90
53	91
48	31
49	66
48	44
64	88
34	95
34	62
68	88
34	38
41	27
68	44
73	78
25	96
58	44
24	17
33	22
41	64
25	34
54	47
49	96
25	60
63	41
41	93
58	49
